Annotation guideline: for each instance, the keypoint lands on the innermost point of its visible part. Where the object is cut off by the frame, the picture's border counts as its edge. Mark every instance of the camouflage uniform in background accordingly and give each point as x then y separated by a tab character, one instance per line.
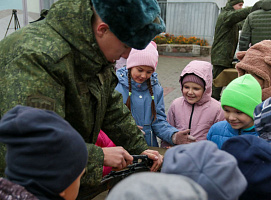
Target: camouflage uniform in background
56	64
225	41
257	26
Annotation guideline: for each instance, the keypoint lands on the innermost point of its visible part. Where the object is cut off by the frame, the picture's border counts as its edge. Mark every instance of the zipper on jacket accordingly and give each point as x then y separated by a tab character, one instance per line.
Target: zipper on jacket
190	120
151	139
239	132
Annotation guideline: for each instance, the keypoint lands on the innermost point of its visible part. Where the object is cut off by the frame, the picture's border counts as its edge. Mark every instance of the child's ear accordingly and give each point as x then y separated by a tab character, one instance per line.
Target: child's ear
240	55
102	28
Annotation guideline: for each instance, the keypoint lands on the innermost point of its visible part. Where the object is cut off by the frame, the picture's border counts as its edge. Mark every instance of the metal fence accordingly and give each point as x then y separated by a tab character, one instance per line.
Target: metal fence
189	18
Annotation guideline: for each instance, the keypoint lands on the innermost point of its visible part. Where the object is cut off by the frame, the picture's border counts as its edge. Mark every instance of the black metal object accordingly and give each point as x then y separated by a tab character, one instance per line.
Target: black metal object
140	163
16	21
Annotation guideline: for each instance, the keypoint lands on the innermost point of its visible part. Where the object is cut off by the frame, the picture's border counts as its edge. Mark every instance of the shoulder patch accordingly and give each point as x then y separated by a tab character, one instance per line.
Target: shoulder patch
41	102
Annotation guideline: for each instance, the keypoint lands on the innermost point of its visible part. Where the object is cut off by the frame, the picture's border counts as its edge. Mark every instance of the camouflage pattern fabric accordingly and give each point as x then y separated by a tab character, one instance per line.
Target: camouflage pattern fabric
56	64
257	27
226	35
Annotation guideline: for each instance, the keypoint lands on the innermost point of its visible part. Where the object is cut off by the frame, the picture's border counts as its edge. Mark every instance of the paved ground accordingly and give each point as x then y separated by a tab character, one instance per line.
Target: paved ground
169	70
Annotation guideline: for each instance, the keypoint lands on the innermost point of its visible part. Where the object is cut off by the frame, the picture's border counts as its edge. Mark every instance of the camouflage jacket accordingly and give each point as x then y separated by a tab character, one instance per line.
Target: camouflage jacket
257	26
226	35
56	64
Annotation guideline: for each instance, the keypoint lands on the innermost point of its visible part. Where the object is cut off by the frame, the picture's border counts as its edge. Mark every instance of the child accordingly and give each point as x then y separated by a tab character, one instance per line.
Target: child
238	101
262	119
45	154
257	62
213	169
196	110
143	95
253	155
158	186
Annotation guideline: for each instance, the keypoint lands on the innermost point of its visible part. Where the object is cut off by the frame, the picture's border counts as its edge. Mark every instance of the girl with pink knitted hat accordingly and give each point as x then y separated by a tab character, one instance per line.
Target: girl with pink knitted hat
143	95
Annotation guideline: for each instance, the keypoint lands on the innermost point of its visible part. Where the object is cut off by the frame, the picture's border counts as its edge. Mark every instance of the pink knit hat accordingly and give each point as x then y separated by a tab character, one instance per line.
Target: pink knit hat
145	57
257	60
193	78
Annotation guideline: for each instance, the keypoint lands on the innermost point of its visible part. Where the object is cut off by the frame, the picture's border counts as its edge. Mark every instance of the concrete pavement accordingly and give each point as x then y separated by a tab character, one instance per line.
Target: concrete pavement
169	70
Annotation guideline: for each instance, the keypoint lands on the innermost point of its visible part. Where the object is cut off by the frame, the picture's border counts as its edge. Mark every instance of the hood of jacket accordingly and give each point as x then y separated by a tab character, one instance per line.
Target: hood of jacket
72	21
203	70
266	5
122	75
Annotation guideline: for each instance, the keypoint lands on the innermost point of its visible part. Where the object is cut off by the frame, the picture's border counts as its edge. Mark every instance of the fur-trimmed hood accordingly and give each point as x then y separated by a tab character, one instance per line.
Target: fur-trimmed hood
257	60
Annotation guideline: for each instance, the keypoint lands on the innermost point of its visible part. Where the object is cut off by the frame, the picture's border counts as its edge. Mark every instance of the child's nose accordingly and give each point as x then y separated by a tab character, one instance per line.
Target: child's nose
232	116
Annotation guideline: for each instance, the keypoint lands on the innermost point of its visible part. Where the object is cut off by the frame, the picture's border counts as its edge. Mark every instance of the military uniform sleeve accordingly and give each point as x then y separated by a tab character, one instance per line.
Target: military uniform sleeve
120	126
236	16
25	82
245	38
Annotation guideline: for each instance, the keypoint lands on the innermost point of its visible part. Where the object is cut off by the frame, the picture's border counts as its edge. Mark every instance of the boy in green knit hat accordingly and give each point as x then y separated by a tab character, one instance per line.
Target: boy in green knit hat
238	101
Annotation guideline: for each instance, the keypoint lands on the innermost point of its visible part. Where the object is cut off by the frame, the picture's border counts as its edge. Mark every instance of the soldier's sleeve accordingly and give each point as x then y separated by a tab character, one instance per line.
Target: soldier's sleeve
23	81
245	37
233	17
120	126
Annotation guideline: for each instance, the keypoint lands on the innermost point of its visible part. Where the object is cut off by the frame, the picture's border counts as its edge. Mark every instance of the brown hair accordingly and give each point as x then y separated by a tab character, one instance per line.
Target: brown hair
128	102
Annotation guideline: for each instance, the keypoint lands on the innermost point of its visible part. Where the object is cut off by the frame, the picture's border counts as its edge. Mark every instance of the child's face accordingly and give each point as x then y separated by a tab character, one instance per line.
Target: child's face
192	92
71	192
141	73
237	119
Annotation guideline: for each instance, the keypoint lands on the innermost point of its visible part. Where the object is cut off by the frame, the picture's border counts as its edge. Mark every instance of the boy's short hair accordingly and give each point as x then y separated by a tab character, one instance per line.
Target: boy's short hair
44	153
243	93
133	22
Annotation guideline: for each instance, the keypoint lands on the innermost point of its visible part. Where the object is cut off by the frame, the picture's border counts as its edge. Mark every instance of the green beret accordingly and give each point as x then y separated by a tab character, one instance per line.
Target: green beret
133	22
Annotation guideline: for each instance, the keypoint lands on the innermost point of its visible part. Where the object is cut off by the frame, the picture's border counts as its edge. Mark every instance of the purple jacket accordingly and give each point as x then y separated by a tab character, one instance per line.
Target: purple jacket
202	114
10	190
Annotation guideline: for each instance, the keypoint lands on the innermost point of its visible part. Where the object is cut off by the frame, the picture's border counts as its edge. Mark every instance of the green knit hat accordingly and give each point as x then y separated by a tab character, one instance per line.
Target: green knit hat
243	93
233	2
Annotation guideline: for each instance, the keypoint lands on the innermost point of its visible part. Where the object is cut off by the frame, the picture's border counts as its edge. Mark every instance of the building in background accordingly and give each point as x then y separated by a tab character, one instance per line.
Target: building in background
191	17
27	11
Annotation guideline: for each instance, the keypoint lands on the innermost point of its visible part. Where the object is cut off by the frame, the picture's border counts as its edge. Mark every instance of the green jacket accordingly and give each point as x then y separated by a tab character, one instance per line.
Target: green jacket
257	26
226	35
56	64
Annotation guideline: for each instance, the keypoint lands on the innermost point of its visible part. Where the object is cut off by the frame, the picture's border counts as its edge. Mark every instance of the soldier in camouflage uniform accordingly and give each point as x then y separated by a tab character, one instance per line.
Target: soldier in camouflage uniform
226	38
257	26
65	63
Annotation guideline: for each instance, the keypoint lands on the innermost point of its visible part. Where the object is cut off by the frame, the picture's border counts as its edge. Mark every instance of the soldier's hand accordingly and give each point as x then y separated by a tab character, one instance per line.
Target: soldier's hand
117	157
182	137
156	157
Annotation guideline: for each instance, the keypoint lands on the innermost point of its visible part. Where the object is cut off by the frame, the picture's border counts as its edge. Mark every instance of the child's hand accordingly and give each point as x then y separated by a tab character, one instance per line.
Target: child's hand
182	137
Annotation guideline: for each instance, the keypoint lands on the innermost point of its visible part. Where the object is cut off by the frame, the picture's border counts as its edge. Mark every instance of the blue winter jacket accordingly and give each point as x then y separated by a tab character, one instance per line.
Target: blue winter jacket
221	131
141	107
